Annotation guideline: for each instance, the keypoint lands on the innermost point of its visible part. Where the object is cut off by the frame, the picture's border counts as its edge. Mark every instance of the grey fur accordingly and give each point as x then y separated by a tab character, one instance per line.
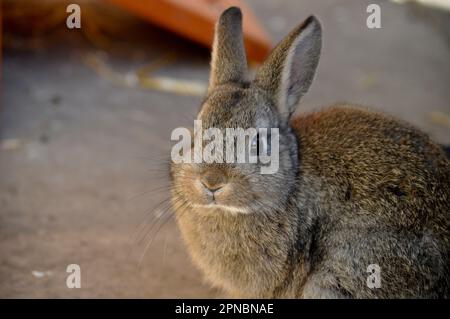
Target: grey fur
354	188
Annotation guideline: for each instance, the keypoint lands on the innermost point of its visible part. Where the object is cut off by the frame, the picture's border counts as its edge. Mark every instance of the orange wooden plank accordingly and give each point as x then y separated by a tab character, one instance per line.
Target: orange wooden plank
195	20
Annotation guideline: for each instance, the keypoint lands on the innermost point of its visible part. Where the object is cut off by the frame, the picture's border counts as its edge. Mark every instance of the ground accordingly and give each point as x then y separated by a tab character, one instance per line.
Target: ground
83	160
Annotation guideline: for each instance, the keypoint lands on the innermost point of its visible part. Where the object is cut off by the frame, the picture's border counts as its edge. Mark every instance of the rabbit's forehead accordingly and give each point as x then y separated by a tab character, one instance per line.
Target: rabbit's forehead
233	108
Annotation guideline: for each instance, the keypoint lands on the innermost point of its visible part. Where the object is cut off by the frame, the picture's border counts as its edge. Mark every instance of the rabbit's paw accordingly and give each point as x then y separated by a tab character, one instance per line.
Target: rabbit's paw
322	286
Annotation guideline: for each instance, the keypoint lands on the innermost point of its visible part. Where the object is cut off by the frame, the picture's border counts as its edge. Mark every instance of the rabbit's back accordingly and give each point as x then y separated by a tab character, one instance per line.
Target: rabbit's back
382	191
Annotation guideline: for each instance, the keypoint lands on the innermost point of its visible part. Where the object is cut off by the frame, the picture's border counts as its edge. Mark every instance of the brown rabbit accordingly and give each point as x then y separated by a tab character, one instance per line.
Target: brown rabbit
354	188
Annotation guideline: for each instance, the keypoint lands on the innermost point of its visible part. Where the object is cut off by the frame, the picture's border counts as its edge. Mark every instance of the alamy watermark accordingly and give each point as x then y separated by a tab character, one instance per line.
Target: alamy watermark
374	19
74	279
249	145
73	21
374	279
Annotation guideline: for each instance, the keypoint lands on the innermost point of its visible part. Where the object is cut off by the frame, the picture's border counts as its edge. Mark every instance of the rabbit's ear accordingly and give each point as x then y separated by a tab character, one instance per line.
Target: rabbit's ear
229	61
289	70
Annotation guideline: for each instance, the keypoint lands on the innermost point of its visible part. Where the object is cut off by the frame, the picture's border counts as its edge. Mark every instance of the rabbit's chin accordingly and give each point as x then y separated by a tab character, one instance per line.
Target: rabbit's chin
214	206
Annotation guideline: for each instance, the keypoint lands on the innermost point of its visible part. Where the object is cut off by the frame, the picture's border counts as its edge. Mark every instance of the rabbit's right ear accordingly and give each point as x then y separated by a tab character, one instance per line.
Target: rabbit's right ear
289	70
228	61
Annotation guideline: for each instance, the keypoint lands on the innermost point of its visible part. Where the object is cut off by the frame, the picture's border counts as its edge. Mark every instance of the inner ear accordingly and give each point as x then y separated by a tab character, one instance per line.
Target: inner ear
289	71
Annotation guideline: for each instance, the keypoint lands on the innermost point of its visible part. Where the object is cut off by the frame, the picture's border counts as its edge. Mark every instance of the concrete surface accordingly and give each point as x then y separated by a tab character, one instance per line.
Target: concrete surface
83	179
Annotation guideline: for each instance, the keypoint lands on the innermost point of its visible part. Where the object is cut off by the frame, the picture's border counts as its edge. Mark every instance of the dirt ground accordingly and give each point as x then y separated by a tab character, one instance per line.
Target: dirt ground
83	160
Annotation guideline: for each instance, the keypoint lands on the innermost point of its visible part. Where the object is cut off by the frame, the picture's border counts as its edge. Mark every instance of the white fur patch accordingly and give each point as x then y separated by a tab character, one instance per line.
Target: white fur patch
231	209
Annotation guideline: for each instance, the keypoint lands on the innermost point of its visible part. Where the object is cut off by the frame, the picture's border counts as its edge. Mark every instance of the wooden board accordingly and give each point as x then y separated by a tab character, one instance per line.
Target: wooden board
195	20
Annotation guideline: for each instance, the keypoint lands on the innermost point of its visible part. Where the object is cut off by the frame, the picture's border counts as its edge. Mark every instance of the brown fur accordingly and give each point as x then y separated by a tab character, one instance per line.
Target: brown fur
354	188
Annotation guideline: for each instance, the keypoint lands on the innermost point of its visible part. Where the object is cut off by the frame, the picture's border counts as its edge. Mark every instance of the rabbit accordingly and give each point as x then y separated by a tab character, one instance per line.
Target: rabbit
354	188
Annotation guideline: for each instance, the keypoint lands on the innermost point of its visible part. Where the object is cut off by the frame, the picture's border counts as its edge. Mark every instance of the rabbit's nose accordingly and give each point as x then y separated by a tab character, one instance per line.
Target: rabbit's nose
213	182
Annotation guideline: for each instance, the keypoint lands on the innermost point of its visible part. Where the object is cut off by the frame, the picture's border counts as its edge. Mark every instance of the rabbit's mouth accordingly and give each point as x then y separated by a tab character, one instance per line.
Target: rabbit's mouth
213	189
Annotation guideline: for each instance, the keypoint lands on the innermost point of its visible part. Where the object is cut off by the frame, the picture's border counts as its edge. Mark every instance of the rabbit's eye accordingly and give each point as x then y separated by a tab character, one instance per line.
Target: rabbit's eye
259	145
255	141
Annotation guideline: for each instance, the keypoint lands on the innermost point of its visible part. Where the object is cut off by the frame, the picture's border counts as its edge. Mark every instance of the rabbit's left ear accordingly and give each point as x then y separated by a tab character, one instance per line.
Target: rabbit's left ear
228	61
289	70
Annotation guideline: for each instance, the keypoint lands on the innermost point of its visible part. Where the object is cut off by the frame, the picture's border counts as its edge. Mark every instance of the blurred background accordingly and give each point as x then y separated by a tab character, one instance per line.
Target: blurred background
86	117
